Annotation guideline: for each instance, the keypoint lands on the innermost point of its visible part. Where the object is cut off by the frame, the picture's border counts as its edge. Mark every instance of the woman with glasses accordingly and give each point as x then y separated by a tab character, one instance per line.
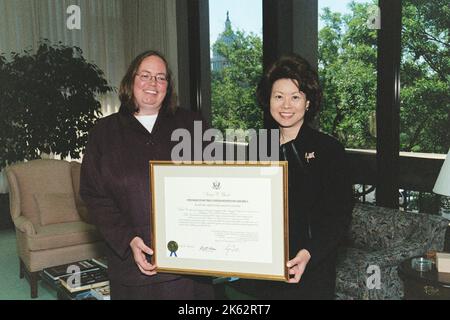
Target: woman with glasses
115	180
320	193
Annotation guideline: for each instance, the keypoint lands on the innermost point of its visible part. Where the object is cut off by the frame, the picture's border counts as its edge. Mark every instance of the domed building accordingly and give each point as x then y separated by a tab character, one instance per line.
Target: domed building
228	36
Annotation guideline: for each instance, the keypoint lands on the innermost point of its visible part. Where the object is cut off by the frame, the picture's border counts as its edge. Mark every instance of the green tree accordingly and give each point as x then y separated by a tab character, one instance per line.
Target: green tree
233	88
347	67
348	63
425	76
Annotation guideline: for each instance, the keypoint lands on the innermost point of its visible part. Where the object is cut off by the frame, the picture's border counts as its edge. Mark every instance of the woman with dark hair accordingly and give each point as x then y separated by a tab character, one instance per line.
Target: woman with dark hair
115	180
320	193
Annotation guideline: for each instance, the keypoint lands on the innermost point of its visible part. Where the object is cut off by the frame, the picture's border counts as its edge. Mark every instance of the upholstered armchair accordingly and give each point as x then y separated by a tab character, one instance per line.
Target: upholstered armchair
49	217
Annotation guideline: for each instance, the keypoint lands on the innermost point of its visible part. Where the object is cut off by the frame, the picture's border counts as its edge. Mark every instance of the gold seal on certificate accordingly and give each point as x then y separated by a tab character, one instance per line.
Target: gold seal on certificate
228	220
173	247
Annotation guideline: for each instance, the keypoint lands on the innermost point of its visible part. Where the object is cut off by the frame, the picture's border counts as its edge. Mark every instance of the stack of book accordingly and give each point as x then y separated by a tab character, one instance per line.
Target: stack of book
101	261
55	273
79	276
85	280
101	293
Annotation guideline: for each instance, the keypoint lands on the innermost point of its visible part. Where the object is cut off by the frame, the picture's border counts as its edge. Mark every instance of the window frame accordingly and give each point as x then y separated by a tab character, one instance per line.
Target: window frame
386	167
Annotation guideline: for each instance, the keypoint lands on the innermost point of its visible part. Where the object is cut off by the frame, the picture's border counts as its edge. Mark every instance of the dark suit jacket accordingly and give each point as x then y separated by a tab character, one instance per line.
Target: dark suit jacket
320	210
115	184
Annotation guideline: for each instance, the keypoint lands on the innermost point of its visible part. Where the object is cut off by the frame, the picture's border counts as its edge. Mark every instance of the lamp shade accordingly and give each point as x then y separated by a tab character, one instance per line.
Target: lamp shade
442	185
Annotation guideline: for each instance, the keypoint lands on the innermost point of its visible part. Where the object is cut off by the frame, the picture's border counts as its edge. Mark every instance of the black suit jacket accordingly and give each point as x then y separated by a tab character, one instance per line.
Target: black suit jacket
115	184
320	211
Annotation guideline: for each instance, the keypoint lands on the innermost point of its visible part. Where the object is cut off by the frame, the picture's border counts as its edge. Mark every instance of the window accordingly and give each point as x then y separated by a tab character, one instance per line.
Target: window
236	63
348	71
425	91
359	68
425	85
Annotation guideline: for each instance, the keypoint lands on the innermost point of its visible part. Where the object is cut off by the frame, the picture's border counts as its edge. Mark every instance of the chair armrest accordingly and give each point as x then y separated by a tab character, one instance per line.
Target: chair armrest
25	225
393	256
433	229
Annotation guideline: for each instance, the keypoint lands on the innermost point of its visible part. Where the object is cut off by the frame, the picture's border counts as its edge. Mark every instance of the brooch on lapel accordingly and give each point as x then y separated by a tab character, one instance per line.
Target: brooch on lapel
309	156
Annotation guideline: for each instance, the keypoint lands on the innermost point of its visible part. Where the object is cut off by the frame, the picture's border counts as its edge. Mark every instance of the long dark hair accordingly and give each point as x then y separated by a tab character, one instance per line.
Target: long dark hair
294	67
126	95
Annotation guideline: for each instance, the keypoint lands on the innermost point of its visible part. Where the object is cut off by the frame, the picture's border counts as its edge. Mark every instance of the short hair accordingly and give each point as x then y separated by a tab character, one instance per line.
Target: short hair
294	67
126	95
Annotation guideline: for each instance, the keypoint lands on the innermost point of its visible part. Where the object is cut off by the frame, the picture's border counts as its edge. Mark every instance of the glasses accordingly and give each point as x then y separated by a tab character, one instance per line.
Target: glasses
146	77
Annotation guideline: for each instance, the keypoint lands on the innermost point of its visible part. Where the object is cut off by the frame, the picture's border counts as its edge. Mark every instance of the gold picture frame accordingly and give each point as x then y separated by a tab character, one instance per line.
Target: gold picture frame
223	220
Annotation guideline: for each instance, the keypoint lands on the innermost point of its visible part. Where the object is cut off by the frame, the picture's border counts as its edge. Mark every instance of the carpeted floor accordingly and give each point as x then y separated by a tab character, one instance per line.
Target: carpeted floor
12	287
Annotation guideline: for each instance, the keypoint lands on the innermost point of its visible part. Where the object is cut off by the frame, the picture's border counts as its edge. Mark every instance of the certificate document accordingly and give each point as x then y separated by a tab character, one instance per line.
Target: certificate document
220	220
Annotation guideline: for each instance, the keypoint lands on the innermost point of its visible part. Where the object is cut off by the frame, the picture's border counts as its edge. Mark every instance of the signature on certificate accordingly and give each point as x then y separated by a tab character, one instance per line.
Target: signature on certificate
207	249
231	249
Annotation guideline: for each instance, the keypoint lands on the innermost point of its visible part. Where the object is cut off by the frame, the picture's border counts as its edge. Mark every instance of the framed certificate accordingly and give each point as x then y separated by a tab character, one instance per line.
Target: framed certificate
224	220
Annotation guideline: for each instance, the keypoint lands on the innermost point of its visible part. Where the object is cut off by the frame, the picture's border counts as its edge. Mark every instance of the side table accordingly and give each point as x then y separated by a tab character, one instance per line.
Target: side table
429	285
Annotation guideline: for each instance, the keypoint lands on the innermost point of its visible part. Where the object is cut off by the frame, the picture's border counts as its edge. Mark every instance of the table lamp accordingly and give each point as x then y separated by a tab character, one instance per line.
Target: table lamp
442	185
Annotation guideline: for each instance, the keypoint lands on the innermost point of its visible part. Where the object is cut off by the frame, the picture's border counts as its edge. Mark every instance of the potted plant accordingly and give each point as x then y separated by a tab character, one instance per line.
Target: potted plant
48	102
